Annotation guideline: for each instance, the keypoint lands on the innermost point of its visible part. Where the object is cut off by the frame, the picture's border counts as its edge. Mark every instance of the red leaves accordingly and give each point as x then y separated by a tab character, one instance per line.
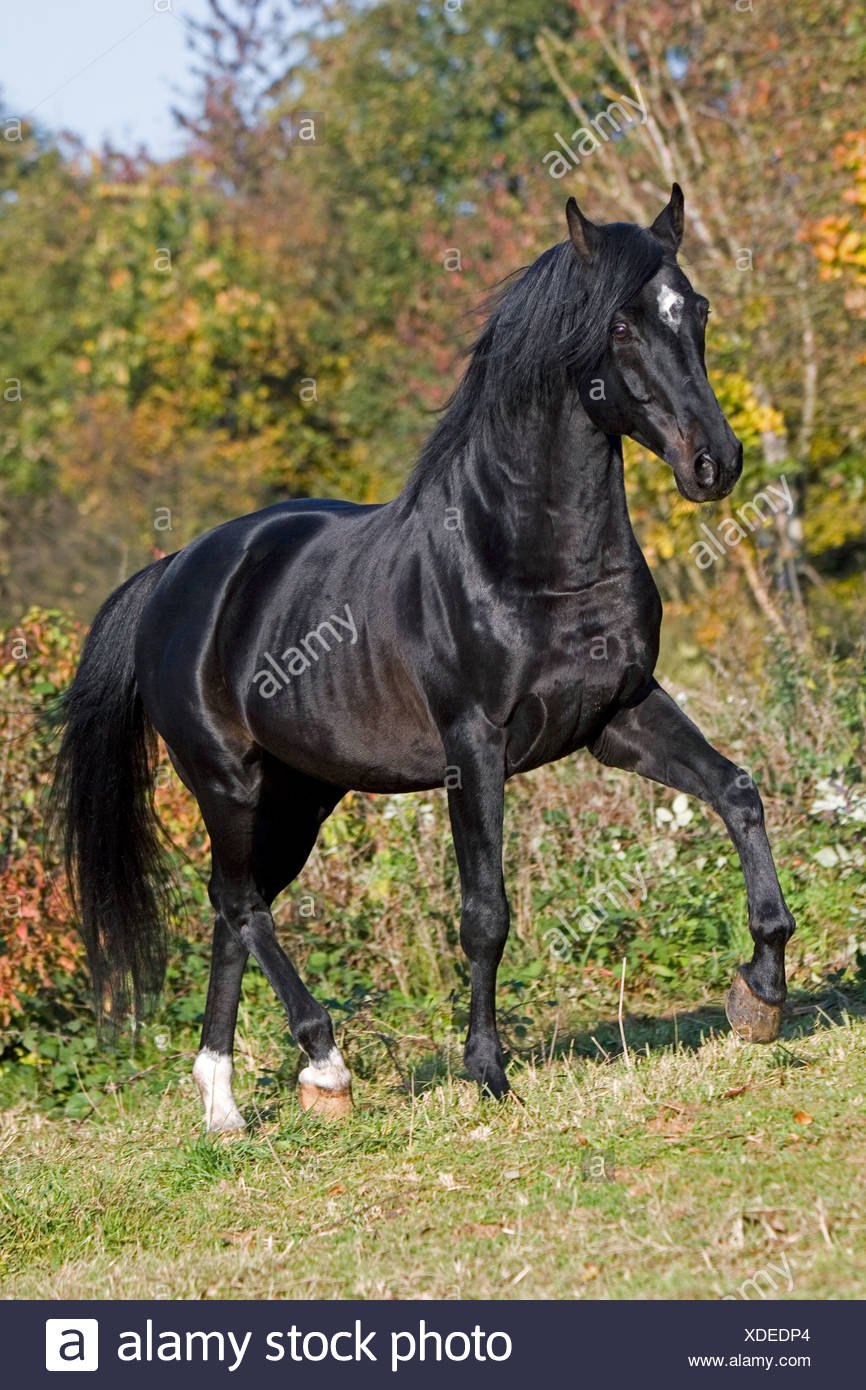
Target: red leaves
37	658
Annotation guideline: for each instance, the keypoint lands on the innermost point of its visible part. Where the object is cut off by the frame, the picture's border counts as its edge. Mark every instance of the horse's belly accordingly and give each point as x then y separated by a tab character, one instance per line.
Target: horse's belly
405	765
362	737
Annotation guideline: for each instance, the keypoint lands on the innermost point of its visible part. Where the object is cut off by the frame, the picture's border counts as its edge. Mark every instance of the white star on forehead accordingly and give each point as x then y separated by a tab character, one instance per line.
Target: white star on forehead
670	307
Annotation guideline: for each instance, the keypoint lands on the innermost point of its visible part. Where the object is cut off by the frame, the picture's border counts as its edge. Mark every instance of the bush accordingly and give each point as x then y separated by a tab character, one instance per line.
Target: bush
600	866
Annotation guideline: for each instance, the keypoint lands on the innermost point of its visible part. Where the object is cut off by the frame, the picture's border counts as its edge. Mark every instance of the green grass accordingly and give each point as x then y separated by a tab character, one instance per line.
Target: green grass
694	1166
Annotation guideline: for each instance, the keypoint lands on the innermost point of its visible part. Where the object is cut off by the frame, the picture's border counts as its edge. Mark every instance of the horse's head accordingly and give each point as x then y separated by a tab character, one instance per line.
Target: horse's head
651	381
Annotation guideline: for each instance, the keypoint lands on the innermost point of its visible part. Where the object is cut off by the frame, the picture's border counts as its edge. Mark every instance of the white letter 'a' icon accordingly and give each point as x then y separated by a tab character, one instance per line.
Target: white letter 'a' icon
71	1344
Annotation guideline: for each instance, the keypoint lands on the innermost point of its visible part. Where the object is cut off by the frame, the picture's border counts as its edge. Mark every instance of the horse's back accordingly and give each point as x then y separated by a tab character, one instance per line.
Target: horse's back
207	567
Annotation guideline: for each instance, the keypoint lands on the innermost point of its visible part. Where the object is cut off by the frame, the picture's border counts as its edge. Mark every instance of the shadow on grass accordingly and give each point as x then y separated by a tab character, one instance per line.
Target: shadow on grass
805	1012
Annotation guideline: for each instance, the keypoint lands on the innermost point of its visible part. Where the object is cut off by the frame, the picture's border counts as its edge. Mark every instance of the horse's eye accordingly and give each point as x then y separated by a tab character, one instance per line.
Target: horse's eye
621	332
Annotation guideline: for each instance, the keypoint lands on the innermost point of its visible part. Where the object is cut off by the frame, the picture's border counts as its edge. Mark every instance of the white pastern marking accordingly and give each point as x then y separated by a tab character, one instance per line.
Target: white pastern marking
332	1075
212	1074
670	307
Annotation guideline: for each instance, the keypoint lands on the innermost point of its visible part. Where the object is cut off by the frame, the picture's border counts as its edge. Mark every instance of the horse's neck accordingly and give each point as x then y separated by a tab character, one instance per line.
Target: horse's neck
584	512
548	504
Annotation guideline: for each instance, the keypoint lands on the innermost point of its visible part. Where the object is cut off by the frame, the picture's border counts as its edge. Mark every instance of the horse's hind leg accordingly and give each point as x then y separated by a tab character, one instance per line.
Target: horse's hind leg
290	813
263	820
214	1067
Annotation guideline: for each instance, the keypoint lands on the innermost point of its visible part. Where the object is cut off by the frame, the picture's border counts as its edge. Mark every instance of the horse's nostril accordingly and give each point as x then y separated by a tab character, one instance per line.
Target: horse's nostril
706	469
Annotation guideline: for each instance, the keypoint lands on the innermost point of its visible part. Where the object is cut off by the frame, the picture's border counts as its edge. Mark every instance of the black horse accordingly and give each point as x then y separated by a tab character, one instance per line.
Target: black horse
497	615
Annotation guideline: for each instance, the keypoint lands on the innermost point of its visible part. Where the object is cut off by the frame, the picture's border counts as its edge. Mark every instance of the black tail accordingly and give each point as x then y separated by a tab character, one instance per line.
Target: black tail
102	800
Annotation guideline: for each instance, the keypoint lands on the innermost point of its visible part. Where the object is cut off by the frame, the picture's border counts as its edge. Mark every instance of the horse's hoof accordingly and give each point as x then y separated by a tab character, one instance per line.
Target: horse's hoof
228	1131
750	1018
333	1105
325	1087
492	1085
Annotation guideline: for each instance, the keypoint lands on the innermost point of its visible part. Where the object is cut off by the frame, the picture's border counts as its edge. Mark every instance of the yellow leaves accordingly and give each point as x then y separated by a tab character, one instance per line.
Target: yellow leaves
188	317
825	237
850	244
664	545
748	417
839	243
235	298
835	515
206	270
711	630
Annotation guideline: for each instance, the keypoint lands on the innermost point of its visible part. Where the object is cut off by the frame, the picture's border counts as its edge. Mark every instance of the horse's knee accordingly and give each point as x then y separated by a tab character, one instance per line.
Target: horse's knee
484	927
234	900
256	930
740	802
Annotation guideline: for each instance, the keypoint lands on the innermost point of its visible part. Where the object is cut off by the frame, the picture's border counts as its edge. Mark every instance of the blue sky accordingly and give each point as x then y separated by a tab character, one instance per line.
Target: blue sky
98	67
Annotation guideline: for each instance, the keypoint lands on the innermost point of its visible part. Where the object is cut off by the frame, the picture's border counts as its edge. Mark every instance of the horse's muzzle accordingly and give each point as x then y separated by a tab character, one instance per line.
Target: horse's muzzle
707	478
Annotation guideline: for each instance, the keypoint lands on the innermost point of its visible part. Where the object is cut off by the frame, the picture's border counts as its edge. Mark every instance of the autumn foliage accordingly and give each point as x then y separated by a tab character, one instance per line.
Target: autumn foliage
263	316
189	339
38	657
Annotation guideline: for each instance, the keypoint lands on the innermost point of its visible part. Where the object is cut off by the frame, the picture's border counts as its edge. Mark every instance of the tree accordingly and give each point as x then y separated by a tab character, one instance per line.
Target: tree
738	110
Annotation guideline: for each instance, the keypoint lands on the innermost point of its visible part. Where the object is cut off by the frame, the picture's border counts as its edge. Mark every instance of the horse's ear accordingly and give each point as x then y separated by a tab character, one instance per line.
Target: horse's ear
583	233
668	226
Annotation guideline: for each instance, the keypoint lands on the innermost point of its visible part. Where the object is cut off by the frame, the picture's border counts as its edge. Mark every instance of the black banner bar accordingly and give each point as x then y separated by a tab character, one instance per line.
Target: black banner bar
421	1344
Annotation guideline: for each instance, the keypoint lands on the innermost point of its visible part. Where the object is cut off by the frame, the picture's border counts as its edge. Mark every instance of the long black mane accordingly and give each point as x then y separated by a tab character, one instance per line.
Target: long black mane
547	323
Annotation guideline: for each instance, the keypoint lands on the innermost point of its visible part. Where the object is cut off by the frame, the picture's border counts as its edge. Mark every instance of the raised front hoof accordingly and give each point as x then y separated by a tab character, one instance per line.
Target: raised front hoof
333	1105
750	1017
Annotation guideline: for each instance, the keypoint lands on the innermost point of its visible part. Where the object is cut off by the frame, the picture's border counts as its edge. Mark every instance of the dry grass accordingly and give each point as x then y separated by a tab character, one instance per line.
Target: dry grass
688	1176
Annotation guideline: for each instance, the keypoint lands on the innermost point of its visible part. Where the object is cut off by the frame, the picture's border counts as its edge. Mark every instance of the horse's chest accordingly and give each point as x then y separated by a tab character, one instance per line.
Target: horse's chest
610	635
594	662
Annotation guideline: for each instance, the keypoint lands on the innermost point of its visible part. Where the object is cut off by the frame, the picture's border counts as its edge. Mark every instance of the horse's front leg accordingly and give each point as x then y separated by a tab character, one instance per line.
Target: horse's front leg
657	740
475	777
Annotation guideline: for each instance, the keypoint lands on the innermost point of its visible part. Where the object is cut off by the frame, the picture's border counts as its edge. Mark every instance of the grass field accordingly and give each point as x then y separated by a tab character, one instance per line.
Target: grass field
691	1166
697	1167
